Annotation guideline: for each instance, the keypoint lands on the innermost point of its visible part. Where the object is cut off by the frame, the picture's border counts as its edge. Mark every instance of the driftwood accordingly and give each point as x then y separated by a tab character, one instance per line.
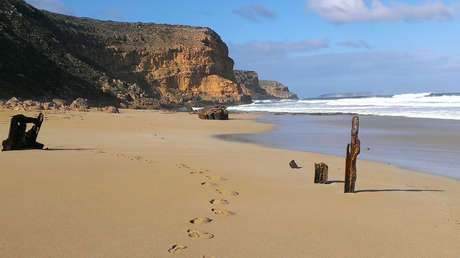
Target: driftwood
292	164
213	113
353	150
18	138
321	173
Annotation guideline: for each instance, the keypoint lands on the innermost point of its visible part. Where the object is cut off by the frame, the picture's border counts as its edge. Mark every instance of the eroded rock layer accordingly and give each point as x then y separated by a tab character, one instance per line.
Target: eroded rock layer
261	89
47	55
277	89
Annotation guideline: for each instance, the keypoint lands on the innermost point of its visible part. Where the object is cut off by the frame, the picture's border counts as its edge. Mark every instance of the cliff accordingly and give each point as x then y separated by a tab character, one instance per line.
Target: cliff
261	89
249	82
277	89
45	55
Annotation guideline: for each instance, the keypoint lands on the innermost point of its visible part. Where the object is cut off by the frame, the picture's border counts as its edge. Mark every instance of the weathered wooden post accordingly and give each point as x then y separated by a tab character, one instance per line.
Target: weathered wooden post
353	150
321	172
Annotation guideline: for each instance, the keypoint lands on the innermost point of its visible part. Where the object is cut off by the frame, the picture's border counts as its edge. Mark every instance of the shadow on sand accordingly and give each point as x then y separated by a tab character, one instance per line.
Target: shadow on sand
68	149
397	190
335	182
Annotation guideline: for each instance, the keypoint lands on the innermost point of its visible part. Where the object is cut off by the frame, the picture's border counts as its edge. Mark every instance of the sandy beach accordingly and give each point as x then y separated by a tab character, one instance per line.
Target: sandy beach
131	184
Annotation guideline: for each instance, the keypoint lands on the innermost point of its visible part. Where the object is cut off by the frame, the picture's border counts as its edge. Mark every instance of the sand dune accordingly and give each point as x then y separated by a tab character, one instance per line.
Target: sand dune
131	185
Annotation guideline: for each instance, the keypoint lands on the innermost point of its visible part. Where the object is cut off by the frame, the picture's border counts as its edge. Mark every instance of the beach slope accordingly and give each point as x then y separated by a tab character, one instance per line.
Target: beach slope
157	184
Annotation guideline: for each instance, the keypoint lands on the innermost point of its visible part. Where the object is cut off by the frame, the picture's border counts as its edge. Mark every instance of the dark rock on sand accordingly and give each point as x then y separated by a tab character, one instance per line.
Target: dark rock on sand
111	109
213	113
293	164
80	104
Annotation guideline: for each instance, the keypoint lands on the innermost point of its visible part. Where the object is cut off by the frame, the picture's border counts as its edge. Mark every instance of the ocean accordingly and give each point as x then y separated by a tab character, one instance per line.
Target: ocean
417	131
416	105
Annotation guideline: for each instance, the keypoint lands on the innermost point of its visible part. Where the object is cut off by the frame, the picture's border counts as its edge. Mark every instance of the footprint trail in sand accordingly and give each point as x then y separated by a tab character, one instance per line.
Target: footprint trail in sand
222	212
208	184
219	201
177	248
210	181
227	192
216	178
200	220
193	233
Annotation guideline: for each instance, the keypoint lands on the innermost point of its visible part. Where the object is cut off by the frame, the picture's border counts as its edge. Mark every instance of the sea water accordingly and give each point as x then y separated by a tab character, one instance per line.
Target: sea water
409	131
416	105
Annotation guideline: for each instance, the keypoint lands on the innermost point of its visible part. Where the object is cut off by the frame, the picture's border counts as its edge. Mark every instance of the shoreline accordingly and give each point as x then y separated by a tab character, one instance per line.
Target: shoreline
337	114
264	139
133	183
229	138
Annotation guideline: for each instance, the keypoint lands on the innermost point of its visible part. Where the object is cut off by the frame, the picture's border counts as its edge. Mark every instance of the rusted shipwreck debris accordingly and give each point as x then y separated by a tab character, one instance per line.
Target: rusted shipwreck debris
293	164
213	113
353	150
19	138
321	173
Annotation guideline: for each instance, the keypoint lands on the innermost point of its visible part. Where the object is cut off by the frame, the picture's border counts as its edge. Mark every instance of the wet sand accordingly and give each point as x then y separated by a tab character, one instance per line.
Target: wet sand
427	145
156	184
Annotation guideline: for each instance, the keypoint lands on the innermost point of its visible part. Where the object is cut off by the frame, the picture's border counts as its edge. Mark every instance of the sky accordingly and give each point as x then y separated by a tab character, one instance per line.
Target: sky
315	46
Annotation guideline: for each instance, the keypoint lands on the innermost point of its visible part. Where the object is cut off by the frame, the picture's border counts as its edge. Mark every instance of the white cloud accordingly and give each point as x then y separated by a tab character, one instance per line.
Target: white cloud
256	49
381	72
345	11
354	44
55	6
255	13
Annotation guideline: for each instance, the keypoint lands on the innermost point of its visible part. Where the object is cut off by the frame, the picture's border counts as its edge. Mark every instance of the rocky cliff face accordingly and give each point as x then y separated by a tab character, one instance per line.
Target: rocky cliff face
46	55
249	82
261	89
277	89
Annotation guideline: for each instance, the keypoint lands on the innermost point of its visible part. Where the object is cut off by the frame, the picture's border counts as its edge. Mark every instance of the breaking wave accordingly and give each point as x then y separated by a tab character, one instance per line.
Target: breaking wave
417	105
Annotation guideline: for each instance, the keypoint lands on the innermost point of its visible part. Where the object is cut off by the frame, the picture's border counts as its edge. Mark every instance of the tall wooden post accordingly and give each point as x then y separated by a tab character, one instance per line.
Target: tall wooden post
353	150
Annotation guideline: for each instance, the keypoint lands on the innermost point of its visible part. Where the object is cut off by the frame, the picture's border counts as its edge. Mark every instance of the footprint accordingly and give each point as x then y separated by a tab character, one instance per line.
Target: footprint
208	184
227	192
200	220
136	157
219	201
193	233
181	165
197	172
222	212
119	155
216	178
177	248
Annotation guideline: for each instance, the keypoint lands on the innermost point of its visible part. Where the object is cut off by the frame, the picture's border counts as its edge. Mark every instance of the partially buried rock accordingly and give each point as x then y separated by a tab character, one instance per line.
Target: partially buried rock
292	164
12	102
48	105
59	102
213	113
80	104
111	109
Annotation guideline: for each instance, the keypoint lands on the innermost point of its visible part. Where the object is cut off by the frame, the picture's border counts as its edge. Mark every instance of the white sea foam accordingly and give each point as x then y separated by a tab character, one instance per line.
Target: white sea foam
417	105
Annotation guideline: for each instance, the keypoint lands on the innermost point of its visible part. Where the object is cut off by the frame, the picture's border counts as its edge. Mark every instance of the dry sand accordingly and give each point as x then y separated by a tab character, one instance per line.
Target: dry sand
131	184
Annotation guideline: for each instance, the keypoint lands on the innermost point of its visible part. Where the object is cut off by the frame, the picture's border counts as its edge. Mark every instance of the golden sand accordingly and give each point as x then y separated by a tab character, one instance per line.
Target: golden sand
157	184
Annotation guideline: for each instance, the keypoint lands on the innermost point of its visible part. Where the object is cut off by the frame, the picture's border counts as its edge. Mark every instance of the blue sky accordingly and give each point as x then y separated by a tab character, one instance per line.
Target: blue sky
316	46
